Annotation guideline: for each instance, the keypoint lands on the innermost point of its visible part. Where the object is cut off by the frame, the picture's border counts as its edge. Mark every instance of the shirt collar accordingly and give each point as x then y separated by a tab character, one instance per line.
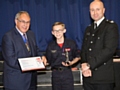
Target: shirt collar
19	31
99	21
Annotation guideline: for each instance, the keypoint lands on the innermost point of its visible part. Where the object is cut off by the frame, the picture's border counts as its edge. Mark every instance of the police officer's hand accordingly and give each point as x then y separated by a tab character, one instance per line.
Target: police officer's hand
87	73
85	66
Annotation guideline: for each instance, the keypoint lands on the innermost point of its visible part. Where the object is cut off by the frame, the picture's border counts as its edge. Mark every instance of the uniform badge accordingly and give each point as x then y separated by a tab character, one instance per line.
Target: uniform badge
67	49
53	51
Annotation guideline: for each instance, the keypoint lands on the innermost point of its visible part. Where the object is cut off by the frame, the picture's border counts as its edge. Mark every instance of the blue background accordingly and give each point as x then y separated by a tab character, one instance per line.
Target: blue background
74	13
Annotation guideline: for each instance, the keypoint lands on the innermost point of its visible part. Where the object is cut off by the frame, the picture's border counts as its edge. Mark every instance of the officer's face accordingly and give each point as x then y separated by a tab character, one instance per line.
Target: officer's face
97	10
23	23
58	31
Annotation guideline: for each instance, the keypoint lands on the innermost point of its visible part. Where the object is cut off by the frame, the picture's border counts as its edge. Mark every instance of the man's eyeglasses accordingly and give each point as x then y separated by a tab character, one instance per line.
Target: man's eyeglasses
22	21
58	31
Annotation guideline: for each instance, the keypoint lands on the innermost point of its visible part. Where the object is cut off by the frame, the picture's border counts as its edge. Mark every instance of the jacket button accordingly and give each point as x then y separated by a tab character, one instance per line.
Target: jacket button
104	63
91	41
96	69
93	34
98	37
90	49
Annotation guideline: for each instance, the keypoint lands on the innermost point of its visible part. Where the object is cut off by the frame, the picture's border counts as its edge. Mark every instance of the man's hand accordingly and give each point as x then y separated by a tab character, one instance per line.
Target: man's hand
86	70
87	73
84	66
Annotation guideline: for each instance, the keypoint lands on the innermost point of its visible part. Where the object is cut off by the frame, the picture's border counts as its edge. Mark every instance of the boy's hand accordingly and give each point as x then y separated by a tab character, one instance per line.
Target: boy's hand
44	60
67	64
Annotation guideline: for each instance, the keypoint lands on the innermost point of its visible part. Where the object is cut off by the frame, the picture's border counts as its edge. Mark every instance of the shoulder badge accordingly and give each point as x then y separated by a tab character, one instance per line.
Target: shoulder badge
110	21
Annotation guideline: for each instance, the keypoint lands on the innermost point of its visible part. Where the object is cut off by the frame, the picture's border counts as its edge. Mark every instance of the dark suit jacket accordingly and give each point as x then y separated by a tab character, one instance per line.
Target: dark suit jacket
13	47
98	48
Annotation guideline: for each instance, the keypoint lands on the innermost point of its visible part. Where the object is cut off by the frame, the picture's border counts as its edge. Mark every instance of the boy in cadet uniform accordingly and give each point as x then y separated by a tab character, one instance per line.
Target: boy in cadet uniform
61	55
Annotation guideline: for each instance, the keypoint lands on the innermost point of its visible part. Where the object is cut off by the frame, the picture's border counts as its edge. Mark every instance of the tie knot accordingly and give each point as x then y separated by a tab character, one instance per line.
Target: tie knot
24	38
24	34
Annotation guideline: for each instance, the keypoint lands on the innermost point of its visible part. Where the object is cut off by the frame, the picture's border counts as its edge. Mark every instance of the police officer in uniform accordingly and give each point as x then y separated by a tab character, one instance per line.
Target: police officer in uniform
99	45
61	55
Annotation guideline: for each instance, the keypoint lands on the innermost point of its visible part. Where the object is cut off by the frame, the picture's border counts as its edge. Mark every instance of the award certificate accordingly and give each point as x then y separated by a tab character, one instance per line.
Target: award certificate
31	63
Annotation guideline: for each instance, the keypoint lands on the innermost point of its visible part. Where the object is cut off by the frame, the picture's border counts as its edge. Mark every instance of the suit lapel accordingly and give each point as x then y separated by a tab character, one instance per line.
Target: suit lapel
30	42
20	39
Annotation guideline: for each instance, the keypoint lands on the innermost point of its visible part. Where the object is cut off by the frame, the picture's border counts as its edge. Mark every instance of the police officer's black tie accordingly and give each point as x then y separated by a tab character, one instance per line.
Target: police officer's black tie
95	25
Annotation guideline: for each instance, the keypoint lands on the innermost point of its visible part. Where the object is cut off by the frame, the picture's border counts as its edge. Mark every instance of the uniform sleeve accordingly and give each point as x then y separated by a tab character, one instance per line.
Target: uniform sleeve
84	47
76	51
48	54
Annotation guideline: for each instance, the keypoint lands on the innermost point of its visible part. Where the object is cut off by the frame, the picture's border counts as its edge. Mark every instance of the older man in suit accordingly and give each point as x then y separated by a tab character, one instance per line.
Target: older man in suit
15	46
99	45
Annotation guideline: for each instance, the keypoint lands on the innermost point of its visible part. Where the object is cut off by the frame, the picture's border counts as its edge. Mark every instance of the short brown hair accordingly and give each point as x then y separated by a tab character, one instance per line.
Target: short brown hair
58	23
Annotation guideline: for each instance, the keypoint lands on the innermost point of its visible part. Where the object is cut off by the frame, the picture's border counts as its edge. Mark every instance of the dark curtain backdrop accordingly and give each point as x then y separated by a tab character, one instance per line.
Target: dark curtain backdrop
74	13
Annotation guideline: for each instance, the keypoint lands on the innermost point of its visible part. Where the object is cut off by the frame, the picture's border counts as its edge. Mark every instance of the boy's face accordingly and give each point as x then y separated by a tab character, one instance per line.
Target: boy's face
58	31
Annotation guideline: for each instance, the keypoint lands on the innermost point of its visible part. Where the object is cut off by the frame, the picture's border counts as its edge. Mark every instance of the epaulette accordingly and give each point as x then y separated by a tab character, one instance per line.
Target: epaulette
110	21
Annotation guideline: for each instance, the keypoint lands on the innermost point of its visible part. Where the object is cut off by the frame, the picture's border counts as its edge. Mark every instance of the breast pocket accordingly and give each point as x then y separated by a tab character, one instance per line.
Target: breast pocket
55	54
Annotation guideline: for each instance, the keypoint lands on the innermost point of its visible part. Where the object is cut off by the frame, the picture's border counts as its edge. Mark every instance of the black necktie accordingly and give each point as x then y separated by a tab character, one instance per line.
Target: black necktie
95	25
26	42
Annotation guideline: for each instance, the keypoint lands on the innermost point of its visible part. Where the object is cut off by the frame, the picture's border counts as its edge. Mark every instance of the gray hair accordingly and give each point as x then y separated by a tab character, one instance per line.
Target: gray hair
20	13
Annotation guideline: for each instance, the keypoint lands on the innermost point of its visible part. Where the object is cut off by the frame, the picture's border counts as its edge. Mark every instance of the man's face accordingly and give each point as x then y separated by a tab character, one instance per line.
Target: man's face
97	10
58	31
23	23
